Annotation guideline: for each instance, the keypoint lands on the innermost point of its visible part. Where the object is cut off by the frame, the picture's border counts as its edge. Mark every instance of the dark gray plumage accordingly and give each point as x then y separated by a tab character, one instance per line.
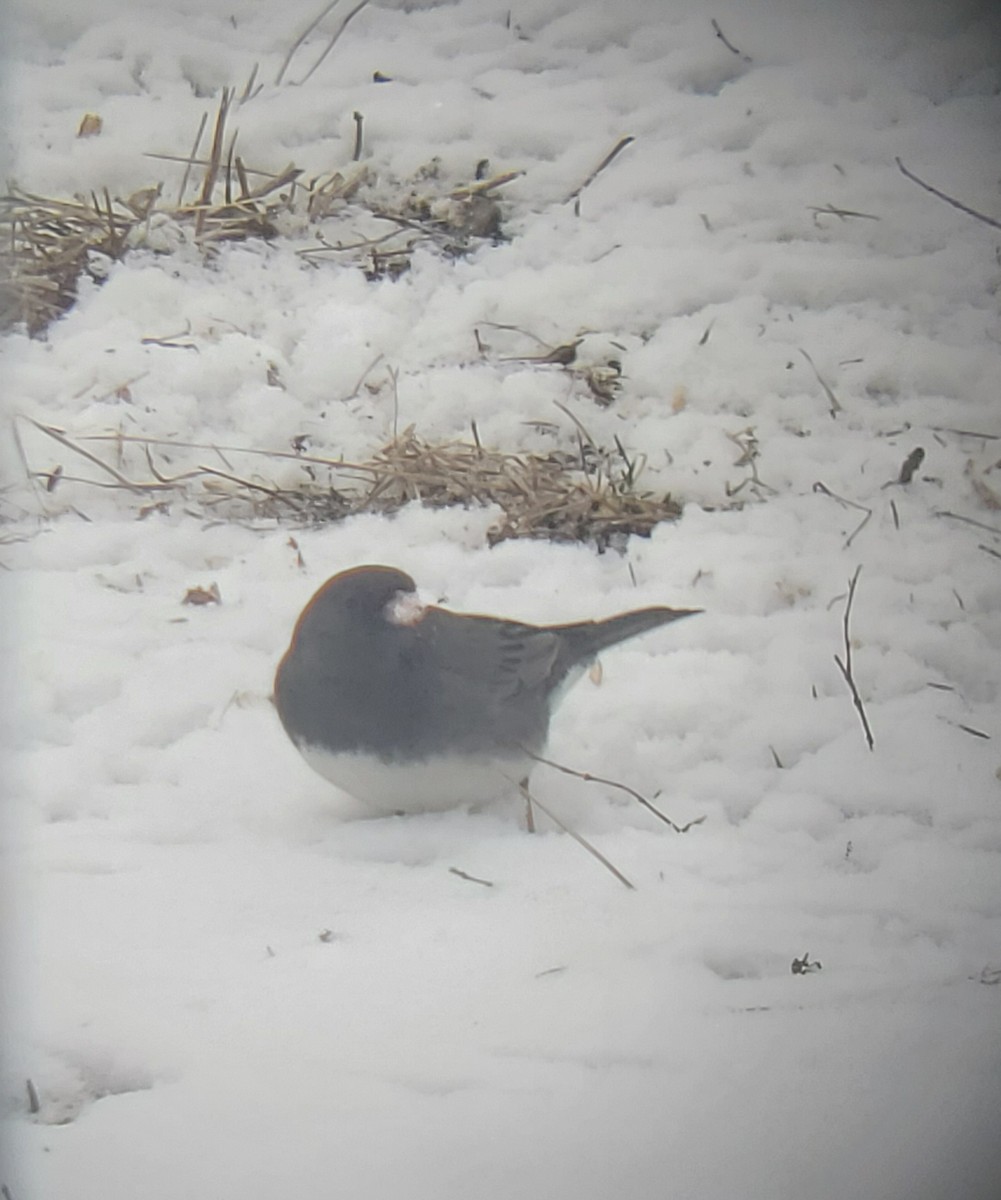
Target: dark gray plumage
373	697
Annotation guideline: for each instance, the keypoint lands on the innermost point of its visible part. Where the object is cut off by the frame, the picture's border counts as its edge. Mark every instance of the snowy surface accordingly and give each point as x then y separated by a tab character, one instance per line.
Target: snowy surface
222	979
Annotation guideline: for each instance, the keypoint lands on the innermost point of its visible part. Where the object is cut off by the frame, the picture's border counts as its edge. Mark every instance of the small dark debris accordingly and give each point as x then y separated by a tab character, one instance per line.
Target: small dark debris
803	966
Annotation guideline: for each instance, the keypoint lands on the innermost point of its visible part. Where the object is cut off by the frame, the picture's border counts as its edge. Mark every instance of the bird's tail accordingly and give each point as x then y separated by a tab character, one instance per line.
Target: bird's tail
589	638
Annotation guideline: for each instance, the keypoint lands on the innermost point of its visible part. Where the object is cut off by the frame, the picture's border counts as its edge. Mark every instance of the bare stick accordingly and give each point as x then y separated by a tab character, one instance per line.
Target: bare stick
359	121
362	377
191	158
622	787
832	400
19	446
845	666
729	45
248	91
576	837
471	878
529	811
300	39
968	521
843	214
970	212
971	433
333	41
274	493
119	478
826	491
140	439
617	149
215	160
582	429
484	185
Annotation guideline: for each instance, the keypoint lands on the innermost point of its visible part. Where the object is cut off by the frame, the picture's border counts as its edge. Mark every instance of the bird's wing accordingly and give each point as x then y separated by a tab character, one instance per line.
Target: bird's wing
494	659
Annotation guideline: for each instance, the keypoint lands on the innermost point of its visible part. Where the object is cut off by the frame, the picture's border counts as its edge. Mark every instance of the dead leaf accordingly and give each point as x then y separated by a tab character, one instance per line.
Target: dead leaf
90	126
200	595
142	202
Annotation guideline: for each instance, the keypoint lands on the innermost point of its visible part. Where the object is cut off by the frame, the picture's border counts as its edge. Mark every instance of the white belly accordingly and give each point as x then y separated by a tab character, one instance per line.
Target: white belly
418	787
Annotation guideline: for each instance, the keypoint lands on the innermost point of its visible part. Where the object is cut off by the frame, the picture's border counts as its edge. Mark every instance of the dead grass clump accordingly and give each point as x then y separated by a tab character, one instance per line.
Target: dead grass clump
591	496
46	245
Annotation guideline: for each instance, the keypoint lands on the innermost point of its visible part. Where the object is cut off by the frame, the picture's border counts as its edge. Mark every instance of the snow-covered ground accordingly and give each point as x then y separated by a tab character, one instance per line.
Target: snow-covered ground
222	979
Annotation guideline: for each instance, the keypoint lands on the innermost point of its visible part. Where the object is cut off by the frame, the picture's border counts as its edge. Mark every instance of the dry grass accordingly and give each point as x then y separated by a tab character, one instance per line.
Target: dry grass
542	496
47	244
588	497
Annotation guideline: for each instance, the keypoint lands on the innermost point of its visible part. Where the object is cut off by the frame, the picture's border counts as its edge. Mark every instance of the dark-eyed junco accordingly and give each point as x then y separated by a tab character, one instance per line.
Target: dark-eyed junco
413	708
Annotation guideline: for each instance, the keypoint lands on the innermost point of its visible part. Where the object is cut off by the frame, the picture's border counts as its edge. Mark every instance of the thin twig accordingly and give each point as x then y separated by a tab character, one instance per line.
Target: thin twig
832	400
362	377
215	161
274	493
726	42
300	39
969	521
843	214
333	40
971	433
249	92
845	666
824	490
190	159
119	478
580	425
471	878
617	149
622	787
359	121
576	837
970	212
142	440
482	186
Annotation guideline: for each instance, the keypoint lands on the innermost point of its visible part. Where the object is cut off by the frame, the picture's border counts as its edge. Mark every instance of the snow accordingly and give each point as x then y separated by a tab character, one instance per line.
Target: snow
223	978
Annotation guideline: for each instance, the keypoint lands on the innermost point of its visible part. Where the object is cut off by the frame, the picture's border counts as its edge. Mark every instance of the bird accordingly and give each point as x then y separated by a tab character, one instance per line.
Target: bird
416	708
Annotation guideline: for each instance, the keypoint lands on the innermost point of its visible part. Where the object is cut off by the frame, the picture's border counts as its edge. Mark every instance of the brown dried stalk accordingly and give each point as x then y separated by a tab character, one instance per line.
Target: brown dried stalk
581	841
824	490
333	39
541	496
300	39
965	208
833	406
726	42
617	149
845	665
587	777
